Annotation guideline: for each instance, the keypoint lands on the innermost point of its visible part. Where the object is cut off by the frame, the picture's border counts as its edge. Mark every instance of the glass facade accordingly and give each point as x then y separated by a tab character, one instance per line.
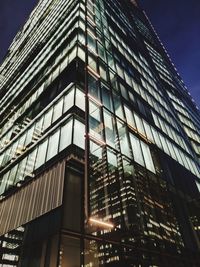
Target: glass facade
99	143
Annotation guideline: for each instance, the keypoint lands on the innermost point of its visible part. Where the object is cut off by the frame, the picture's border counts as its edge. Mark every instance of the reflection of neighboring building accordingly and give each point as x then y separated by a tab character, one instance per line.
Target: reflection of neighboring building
99	143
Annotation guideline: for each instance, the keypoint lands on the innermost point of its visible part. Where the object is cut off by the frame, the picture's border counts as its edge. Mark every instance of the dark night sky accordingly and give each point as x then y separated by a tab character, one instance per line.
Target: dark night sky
177	22
13	15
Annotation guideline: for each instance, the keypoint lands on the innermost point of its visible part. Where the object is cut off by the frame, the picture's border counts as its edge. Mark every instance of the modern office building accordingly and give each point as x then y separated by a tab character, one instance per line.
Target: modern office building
99	143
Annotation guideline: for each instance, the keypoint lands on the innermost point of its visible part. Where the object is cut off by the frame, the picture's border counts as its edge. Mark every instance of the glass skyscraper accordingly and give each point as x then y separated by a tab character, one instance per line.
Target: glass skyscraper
99	143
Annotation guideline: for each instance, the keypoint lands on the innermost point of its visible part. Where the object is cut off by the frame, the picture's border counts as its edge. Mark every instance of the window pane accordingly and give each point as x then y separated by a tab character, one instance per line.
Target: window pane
79	132
123	139
30	164
101	51
81	53
1	159
47	118
4	182
41	155
95	123
148	131
106	98
118	107
139	124
39	124
124	91
147	157
103	72
91	43
29	136
164	145
69	100
129	117
6	156
137	152
93	86
92	255
57	111
53	145
21	170
112	160
65	135
156	138
80	99
109	129
92	62
72	54
12	176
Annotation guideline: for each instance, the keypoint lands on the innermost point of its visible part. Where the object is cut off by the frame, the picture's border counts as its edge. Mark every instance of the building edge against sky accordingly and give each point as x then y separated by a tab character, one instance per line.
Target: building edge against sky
99	143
